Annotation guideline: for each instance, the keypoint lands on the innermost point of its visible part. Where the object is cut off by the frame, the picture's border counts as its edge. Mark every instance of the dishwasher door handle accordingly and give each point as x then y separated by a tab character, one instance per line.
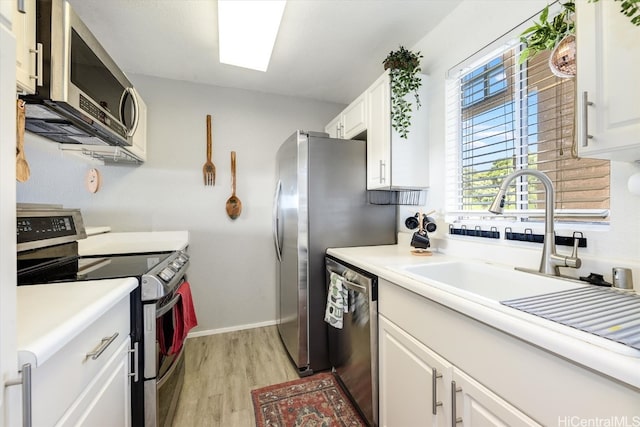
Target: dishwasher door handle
355	287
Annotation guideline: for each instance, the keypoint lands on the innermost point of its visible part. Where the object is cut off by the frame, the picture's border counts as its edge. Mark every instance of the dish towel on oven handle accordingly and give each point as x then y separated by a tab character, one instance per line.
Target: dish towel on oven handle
337	301
184	317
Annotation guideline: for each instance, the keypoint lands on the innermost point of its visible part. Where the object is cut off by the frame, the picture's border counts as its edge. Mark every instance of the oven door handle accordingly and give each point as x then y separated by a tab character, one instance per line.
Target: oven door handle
165	308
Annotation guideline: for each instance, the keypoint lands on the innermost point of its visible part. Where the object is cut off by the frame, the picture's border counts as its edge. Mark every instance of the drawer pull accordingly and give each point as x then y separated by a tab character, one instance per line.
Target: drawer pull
454	418
25	382
434	388
106	342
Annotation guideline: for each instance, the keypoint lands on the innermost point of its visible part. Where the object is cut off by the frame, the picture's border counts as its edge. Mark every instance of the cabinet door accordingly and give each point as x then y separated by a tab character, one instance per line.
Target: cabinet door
379	133
477	406
354	118
608	68
407	381
333	128
24	28
106	402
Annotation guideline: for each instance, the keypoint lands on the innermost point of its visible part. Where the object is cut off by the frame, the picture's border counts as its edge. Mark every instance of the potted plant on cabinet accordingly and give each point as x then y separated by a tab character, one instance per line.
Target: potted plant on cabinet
404	67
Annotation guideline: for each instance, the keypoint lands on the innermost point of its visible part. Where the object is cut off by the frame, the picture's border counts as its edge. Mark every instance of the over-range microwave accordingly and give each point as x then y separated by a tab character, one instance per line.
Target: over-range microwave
83	97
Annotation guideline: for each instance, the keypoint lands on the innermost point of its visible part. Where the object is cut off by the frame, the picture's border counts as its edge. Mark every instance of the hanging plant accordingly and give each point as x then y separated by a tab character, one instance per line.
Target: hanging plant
630	8
404	67
546	34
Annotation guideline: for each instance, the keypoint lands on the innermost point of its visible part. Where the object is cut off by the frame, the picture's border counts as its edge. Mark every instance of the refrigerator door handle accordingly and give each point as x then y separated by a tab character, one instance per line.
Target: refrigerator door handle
276	220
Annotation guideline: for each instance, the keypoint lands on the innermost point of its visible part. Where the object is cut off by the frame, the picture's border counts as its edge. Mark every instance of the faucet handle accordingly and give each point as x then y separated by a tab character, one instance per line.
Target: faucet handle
577	235
572	260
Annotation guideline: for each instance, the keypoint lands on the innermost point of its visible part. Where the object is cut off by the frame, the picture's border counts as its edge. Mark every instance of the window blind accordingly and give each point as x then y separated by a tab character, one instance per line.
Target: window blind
503	116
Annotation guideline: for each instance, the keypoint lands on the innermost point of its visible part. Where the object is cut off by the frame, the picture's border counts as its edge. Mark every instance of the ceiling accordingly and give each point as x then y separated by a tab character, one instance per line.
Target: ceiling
327	50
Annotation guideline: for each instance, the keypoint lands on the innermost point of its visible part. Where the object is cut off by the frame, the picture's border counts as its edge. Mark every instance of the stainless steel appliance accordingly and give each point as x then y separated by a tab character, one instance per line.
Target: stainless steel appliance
82	97
48	253
320	202
353	350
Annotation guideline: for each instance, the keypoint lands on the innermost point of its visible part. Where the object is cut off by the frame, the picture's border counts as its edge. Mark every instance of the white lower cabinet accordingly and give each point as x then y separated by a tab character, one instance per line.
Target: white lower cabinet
86	382
410	374
476	405
497	379
416	388
106	402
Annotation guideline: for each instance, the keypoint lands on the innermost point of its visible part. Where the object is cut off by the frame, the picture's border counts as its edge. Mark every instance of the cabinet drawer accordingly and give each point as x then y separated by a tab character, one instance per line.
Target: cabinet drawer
62	378
106	402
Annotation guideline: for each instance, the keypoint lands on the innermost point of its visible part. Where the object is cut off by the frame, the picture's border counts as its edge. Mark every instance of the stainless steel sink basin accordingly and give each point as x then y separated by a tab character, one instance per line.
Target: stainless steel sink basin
486	280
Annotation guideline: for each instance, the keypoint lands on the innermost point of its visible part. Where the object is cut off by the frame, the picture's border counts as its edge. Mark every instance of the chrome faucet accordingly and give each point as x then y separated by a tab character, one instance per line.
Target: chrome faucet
551	261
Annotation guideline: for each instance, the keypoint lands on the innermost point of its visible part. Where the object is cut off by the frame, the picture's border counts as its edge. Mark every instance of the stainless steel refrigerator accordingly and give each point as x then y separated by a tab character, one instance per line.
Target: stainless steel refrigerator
320	202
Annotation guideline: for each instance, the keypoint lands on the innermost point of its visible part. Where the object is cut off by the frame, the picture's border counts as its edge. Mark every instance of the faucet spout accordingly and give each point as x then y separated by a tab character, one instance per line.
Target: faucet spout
548	263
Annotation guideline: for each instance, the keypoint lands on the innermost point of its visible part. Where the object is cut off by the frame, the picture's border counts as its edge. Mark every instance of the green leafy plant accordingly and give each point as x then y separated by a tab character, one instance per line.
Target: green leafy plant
630	8
404	67
546	34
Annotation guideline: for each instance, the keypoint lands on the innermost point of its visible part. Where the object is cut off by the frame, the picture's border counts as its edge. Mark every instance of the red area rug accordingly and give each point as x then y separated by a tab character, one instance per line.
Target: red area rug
316	401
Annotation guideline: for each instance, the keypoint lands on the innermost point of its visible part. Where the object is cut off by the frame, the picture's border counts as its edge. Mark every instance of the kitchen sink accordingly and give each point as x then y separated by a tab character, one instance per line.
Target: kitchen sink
489	281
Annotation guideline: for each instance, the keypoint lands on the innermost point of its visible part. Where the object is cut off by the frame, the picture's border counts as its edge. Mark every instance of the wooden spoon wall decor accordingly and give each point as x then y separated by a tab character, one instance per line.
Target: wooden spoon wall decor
22	167
234	205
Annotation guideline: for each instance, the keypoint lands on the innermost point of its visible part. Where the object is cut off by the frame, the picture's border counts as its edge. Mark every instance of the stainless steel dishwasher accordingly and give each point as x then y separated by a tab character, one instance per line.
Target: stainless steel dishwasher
353	350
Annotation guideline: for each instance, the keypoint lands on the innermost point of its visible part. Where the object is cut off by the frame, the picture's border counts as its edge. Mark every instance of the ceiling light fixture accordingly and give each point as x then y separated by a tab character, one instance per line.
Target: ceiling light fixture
247	31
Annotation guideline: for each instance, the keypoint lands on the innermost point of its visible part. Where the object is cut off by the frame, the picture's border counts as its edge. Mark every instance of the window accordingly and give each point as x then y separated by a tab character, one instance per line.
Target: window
503	116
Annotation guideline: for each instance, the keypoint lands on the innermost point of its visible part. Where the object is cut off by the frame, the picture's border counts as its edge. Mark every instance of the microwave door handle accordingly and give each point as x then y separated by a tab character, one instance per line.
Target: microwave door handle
136	117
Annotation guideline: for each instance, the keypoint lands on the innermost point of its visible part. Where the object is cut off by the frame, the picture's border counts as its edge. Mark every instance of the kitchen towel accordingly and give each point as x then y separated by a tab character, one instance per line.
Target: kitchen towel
184	317
337	301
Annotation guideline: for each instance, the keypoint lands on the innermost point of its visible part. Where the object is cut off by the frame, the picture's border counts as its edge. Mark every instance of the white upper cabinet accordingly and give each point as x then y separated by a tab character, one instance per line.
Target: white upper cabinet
608	87
333	128
351	122
24	29
394	162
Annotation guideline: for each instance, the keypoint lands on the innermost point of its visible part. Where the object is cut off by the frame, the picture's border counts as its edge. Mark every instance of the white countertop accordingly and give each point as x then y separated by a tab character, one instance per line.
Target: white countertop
133	242
50	316
610	358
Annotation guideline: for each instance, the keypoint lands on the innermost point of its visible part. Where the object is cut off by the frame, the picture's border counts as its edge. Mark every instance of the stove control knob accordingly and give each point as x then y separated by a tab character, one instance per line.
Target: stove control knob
166	274
183	257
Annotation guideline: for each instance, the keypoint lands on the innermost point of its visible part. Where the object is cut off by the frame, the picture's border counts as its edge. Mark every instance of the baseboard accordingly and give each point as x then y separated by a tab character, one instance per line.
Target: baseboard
230	329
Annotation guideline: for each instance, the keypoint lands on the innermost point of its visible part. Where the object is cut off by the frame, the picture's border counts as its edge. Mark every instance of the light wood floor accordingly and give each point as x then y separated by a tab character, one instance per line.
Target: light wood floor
222	369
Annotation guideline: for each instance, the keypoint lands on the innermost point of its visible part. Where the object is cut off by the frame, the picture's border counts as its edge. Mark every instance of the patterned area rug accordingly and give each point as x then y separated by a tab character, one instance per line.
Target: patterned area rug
315	401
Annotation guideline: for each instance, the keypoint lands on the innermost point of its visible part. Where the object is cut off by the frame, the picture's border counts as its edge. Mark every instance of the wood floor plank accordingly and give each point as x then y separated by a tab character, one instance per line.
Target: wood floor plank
220	372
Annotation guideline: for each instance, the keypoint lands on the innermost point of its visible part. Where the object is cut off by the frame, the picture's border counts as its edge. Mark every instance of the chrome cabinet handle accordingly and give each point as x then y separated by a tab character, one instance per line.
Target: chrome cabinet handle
454	418
585	119
21	7
434	402
106	342
38	72
383	172
25	382
135	352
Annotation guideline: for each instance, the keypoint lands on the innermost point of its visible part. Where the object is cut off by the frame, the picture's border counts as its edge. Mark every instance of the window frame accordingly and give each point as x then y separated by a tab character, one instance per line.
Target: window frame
454	189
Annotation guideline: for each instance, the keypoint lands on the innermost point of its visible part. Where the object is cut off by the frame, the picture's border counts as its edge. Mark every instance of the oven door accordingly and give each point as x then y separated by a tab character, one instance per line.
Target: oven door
164	368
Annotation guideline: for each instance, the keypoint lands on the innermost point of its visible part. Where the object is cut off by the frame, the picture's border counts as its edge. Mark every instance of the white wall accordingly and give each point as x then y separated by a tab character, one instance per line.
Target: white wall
232	269
472	26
